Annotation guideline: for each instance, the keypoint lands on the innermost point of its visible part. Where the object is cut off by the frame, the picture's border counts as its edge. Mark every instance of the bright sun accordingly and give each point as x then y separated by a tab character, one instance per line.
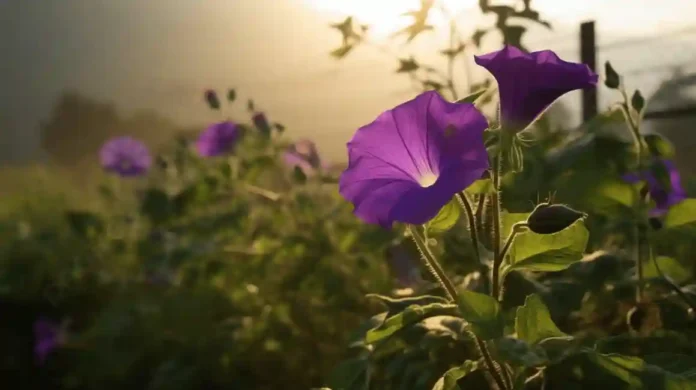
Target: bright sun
386	16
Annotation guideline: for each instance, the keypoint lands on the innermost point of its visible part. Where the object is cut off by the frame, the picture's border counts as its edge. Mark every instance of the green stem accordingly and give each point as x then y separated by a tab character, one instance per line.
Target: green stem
439	274
479	213
262	192
495	199
639	264
634	128
508	242
690	302
432	264
473	231
490	364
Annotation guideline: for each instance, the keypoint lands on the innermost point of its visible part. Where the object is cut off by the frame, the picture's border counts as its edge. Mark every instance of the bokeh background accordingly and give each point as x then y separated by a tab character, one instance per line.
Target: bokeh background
149	61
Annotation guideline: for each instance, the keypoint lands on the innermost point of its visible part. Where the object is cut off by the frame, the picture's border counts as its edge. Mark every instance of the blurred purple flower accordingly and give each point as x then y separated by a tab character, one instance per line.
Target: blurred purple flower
529	83
217	139
408	163
663	198
47	337
261	123
125	156
303	154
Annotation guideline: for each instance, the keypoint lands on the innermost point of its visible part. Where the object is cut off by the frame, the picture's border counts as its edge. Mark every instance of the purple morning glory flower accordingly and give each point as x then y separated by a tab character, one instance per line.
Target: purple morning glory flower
303	154
125	156
664	198
408	163
529	83
217	139
47	337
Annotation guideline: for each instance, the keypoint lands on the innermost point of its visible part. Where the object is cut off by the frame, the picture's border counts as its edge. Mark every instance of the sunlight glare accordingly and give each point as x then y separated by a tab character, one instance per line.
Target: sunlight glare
386	16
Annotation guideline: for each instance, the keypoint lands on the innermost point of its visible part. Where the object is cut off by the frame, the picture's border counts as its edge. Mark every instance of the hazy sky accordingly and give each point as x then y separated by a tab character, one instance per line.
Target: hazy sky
162	53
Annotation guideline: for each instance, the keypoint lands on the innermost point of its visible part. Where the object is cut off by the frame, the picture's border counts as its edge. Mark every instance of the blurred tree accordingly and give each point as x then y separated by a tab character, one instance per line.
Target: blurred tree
78	125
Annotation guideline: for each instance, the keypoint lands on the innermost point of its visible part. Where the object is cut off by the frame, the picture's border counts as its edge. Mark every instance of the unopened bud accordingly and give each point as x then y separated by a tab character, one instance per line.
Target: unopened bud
552	218
212	99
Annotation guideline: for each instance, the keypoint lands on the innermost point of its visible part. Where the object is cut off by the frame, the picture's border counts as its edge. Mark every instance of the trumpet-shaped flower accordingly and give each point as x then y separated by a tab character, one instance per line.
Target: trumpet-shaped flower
529	83
408	163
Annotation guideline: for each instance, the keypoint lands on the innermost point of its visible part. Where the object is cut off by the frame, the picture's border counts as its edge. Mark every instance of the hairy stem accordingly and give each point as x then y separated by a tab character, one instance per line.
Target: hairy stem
439	274
495	199
433	266
473	231
516	229
491	365
480	206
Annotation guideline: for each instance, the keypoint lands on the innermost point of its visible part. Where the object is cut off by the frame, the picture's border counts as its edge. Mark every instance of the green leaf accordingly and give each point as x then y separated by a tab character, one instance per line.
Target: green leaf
411	315
533	322
231	95
482	312
659	146
520	353
641	375
155	205
669	266
507	220
473	97
446	218
407	65
626	368
683	213
548	252
342	51
448	381
397	305
677	364
481	187
612	79
615	192
638	101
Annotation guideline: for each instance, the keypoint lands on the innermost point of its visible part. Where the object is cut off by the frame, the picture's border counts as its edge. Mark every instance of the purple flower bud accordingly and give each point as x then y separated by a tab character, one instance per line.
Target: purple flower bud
261	123
212	99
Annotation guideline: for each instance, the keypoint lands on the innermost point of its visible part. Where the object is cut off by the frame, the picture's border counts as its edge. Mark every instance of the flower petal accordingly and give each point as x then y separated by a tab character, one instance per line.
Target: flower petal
406	165
529	83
